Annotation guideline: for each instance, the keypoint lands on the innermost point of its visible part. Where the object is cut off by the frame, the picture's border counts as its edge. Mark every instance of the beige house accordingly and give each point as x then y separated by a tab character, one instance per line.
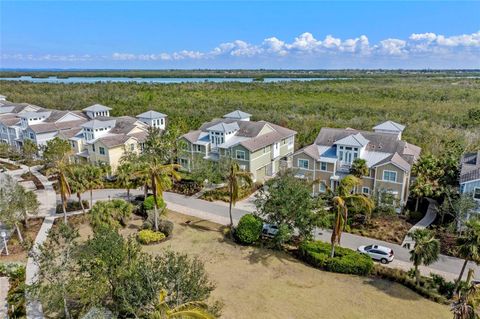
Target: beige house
261	148
388	157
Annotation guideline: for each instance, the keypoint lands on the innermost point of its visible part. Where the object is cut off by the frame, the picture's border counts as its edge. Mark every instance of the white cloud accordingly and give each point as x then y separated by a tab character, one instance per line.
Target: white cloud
304	47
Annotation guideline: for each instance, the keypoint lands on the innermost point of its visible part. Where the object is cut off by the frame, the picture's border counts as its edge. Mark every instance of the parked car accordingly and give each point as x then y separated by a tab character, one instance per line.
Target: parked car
269	230
377	252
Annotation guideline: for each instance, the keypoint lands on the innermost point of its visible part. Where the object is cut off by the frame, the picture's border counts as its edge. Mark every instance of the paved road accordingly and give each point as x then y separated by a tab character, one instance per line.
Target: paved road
447	266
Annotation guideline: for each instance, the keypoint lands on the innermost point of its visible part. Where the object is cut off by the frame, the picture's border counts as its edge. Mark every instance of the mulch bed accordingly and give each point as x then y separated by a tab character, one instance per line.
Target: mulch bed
15	247
9	166
387	228
28	176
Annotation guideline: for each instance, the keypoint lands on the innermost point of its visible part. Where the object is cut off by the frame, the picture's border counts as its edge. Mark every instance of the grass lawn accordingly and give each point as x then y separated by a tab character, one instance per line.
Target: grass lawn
261	283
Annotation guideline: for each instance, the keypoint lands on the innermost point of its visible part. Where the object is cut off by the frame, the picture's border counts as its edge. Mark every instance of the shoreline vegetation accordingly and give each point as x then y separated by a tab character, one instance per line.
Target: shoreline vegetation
440	113
254	74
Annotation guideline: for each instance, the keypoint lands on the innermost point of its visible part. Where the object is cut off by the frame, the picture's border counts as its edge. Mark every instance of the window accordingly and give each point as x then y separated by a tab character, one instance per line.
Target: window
184	162
197	148
93	147
240	155
321	187
303	163
323	166
476	193
390	176
132	147
101	150
32	136
366	190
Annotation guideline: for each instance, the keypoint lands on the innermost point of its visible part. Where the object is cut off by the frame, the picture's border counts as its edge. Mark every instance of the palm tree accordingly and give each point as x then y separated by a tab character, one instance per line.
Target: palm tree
76	179
193	309
469	246
160	177
341	201
236	178
93	179
425	251
467	302
359	168
125	177
57	155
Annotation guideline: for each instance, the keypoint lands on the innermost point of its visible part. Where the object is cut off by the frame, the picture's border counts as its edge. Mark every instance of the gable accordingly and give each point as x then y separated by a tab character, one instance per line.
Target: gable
265	129
69	117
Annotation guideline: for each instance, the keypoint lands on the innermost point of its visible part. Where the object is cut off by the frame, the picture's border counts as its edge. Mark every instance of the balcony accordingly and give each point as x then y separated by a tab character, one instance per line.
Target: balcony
343	167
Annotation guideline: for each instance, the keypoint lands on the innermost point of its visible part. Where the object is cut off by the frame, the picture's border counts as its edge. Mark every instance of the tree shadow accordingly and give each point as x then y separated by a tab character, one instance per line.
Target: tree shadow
196	224
391	288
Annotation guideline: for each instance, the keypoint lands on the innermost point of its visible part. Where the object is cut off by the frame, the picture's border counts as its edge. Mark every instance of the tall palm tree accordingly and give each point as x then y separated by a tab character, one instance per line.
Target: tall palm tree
126	177
76	179
425	251
192	310
60	169
341	201
469	246
93	179
467	303
236	178
359	168
160	177
57	160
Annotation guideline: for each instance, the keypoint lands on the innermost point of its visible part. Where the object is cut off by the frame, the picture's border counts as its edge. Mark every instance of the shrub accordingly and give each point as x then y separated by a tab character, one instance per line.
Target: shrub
346	261
249	229
147	237
402	277
73	206
149	203
166	227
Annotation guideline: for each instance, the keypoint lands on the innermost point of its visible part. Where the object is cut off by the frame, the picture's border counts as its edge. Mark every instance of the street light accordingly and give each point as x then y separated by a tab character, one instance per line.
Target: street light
4	236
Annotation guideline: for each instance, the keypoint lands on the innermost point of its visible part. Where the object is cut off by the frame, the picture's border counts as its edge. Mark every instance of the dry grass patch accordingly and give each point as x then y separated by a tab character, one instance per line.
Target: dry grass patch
17	250
261	283
387	228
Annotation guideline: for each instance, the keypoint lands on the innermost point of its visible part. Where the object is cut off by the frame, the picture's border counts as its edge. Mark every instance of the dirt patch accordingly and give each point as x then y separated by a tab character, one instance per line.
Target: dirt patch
28	176
9	166
17	250
387	228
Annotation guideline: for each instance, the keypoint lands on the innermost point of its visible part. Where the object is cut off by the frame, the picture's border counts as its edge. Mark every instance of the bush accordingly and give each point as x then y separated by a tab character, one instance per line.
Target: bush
149	203
400	276
73	206
249	229
147	237
346	261
16	293
166	227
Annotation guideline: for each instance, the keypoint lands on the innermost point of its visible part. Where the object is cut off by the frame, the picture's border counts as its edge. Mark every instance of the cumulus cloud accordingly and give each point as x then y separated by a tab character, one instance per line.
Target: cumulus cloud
305	45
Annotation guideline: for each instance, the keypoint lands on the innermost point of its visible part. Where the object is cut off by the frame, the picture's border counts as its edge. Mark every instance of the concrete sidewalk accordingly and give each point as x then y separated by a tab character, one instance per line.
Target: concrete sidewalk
426	221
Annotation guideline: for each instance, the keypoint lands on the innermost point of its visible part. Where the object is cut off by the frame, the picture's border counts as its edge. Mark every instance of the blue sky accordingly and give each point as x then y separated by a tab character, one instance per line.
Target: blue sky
249	34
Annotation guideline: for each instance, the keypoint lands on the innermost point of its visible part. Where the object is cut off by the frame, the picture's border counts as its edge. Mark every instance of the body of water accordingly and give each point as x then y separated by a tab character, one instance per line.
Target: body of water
54	79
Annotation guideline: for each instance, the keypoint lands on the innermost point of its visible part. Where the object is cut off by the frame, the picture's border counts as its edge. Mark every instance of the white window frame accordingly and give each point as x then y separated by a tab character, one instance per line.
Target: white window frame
366	190
238	152
388	180
326	166
303	160
473	194
101	150
322	187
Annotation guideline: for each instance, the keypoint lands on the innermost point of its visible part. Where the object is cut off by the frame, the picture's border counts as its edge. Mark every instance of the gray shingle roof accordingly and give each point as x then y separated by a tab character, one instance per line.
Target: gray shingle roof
470	167
96	123
390	126
97	108
151	115
224	127
397	160
237	114
52	127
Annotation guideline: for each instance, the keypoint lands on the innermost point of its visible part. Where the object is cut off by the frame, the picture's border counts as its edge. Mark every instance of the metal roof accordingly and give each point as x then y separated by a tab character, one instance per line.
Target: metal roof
97	108
151	115
390	126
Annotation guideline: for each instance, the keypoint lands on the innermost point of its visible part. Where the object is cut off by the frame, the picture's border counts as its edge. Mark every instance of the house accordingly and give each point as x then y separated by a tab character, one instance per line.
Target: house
470	177
94	135
389	159
260	148
106	139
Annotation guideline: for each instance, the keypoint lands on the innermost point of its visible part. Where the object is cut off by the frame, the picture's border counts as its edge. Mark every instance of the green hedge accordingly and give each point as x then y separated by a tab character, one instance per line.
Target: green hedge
346	261
147	236
16	292
426	288
249	229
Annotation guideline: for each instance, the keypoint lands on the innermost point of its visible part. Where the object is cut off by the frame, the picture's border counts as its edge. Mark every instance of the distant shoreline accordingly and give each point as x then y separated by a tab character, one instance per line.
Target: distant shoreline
257	75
